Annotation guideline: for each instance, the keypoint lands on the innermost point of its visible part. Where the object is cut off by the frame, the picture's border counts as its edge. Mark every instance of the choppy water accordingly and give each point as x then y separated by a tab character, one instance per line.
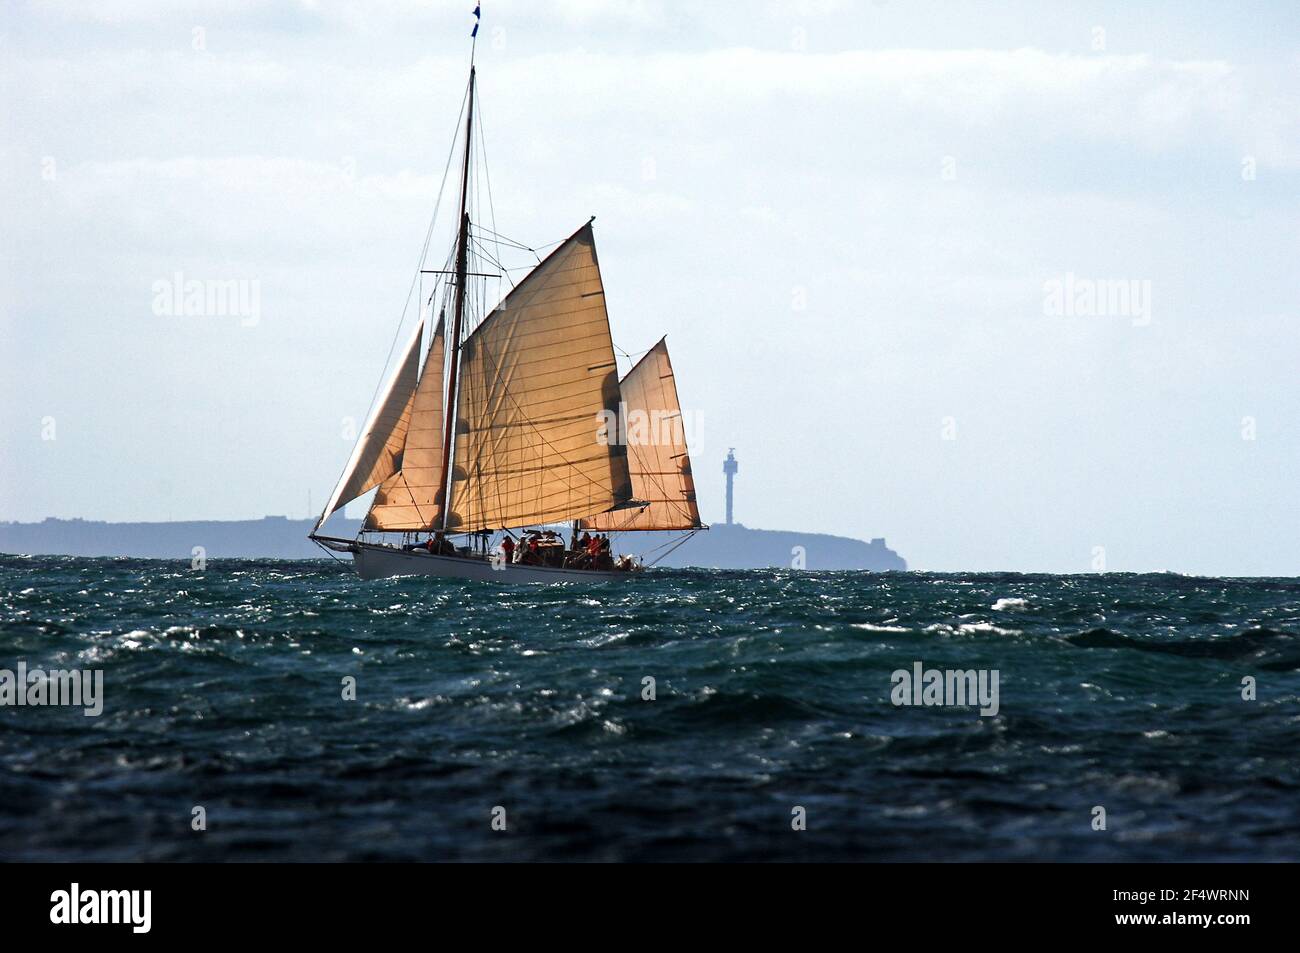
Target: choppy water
223	689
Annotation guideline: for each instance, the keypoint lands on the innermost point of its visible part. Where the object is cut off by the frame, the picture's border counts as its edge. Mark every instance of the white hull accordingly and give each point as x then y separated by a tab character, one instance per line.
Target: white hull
373	561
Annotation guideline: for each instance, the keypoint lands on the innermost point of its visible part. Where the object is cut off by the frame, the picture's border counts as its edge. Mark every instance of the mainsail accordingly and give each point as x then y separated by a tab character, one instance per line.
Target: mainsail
658	462
407	500
535	376
378	454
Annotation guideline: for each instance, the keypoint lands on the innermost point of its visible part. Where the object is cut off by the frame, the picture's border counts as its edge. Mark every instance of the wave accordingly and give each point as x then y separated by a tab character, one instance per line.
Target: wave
1275	650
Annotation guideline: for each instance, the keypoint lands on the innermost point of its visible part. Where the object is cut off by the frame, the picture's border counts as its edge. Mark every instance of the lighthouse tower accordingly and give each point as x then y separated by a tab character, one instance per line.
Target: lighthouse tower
729	467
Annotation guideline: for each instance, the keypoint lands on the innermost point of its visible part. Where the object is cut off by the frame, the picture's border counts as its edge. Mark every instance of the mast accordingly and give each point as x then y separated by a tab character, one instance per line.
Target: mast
462	266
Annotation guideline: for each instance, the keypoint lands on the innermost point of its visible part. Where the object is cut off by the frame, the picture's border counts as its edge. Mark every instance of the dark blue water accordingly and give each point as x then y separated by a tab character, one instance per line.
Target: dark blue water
223	689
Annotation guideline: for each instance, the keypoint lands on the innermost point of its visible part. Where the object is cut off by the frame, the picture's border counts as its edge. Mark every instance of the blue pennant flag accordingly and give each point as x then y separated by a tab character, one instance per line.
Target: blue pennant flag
474	32
477	8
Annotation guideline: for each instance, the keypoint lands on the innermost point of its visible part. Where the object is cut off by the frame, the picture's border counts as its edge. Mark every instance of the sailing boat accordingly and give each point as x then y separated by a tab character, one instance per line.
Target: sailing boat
516	428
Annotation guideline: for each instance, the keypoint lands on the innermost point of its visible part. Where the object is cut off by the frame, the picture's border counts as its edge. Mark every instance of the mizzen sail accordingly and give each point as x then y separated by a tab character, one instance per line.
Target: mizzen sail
407	500
660	467
535	377
378	454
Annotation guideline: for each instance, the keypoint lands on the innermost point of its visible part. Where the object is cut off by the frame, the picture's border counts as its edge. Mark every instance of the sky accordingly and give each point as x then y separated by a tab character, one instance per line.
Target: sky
1014	285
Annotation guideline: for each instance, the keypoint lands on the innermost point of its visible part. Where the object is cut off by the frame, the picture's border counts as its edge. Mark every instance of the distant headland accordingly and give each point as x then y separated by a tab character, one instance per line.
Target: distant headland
728	545
724	546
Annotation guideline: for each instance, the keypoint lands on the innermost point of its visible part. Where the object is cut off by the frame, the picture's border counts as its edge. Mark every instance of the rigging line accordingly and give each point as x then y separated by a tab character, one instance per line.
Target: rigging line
496	236
424	251
507	238
674	543
655	549
501	240
631	354
495	232
487	179
483	250
429	355
478	249
418	514
453	383
505	271
680	542
534	249
328	553
428	237
485	254
508	242
439	281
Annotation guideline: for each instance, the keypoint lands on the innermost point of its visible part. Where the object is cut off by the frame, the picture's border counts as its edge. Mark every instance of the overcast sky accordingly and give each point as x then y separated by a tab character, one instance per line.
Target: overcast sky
847	217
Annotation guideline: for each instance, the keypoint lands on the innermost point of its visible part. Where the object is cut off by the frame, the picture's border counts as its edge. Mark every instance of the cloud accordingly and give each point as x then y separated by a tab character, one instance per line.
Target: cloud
303	145
915	97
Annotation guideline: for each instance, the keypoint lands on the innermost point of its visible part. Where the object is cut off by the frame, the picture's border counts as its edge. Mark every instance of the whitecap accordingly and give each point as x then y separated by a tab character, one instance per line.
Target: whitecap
968	627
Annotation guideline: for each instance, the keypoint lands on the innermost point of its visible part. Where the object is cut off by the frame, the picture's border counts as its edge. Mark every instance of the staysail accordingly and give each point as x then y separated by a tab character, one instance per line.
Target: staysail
378	454
655	434
407	500
535	376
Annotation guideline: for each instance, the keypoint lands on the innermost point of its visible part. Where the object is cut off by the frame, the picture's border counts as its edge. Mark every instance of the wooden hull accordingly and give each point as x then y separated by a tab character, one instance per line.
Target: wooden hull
373	561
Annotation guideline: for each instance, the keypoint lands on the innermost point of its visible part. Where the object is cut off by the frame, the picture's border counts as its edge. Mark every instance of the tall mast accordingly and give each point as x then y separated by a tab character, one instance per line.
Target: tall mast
462	266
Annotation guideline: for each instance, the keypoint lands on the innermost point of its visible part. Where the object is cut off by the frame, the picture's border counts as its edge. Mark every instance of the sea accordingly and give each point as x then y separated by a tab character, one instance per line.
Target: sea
288	711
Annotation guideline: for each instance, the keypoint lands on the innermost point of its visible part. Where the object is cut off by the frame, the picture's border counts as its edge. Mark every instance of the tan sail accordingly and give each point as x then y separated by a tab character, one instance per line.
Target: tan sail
407	500
534	379
660	467
378	453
